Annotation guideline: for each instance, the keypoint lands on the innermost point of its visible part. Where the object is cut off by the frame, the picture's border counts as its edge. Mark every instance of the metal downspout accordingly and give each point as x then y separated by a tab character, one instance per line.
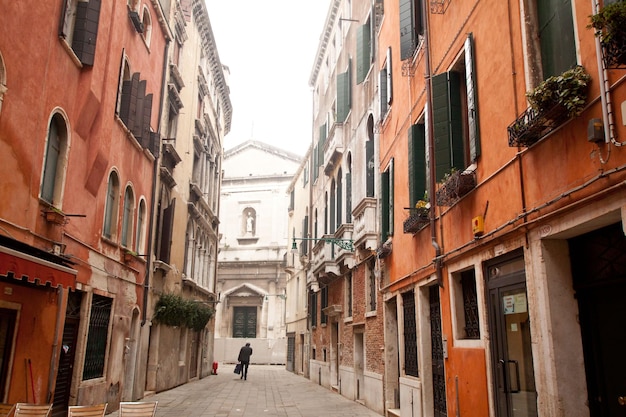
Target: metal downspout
431	147
605	97
155	173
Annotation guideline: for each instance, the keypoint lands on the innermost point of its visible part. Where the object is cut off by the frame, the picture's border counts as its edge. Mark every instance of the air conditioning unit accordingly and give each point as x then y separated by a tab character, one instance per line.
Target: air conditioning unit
137	23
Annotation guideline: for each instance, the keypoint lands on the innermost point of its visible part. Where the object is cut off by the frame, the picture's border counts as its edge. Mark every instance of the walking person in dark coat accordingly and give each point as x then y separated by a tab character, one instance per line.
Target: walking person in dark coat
244	358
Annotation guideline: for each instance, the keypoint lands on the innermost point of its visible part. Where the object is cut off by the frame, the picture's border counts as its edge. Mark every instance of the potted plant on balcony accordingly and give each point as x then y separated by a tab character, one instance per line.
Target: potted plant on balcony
561	96
418	217
610	26
454	185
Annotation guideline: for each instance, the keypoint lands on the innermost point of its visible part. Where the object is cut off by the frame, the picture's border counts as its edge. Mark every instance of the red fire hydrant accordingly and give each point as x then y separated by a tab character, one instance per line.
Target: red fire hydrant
214	368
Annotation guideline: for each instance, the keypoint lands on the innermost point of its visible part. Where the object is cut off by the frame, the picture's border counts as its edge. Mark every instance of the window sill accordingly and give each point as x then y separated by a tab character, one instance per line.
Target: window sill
70	52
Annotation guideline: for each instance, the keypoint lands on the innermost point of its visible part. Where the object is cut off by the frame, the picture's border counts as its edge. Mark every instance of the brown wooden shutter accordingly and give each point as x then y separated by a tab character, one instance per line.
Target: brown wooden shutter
166	233
86	31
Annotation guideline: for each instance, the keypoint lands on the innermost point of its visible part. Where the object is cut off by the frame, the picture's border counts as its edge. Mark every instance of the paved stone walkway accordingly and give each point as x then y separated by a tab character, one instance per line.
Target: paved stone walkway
269	391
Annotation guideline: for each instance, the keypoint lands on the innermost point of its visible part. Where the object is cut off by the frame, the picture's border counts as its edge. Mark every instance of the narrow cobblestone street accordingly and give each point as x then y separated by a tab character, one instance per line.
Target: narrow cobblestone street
269	391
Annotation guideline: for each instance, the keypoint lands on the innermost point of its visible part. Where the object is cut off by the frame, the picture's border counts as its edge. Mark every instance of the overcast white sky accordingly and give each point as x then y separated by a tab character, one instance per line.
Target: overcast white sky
269	47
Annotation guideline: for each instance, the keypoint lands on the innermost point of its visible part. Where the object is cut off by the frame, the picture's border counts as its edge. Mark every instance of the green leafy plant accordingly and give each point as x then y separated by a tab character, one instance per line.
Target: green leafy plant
173	310
610	26
568	90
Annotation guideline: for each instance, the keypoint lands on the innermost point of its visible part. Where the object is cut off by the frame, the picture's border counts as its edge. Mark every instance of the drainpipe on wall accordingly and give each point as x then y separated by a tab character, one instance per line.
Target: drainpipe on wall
155	173
605	95
431	146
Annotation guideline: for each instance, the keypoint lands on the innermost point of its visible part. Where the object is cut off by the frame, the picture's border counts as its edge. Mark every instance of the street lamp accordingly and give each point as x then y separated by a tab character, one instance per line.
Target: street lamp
347	244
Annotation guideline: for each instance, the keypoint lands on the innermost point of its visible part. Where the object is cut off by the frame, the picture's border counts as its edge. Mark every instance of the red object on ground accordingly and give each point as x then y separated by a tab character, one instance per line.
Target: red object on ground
214	368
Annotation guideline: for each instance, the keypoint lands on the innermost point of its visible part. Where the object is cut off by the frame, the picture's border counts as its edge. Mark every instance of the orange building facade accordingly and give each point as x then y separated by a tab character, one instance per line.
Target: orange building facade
503	255
80	87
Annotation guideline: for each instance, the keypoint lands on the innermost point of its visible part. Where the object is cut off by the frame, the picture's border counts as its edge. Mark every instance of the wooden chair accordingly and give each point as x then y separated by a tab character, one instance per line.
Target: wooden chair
32	410
87	410
6	409
138	409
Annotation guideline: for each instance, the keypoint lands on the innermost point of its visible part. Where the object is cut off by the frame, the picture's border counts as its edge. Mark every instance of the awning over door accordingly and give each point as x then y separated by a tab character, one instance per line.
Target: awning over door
23	266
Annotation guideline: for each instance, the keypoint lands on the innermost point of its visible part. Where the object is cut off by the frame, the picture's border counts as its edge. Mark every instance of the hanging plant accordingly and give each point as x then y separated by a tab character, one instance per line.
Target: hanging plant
610	26
566	92
173	310
199	315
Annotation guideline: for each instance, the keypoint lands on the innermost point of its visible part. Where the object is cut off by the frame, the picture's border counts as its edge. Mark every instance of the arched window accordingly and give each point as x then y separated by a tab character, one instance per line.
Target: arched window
369	158
55	161
111	206
349	190
147	26
141	225
333	207
127	218
339	198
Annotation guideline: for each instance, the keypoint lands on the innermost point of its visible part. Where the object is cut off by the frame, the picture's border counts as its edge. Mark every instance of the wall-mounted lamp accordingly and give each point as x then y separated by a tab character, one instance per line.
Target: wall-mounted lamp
347	244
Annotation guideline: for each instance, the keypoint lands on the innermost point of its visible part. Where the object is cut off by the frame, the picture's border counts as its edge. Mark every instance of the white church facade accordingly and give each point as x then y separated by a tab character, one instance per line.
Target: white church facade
254	241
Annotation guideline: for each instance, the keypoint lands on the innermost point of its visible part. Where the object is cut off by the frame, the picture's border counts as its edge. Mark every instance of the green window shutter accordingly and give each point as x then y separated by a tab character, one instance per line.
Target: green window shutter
391	196
315	164
556	33
382	91
344	94
389	77
384	206
447	123
472	100
417	163
363	50
342	97
408	40
441	127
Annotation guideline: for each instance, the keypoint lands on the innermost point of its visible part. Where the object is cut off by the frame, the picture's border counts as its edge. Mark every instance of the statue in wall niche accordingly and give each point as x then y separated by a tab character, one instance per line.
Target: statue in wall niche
250	224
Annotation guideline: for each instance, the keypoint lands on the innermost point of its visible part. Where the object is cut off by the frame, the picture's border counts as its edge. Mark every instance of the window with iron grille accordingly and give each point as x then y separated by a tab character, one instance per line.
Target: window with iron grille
470	305
349	294
371	285
95	352
467	323
313	308
324	316
410	334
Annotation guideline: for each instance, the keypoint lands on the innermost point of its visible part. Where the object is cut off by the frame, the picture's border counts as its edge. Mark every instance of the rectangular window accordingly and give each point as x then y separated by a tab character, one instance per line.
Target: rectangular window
386	203
466	305
349	294
167	225
313	308
417	163
455	116
371	289
410	334
411	27
79	28
324	317
556	34
97	338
